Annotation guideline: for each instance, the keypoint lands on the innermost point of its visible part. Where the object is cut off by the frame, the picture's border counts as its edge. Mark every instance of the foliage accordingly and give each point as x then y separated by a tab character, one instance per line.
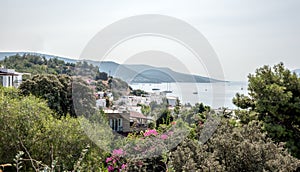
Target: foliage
101	76
53	88
233	148
143	151
145	109
156	108
115	161
200	108
28	125
36	64
62	92
177	107
164	118
30	63
83	99
243	101
274	94
118	87
100	86
138	92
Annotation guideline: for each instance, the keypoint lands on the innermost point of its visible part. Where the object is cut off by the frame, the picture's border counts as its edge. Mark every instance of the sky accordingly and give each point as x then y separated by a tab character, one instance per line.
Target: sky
244	34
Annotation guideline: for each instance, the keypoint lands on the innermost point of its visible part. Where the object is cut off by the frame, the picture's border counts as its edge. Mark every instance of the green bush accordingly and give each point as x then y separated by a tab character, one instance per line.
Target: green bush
27	124
233	148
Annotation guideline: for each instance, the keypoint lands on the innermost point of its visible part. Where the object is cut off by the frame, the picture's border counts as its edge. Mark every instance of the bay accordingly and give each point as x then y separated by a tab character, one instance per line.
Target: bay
216	95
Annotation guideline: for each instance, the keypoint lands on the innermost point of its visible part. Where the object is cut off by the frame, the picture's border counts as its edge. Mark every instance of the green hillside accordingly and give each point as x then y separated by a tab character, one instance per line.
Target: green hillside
38	64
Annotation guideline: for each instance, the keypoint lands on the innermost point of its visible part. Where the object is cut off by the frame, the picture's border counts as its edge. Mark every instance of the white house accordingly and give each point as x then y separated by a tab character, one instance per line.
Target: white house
10	77
172	100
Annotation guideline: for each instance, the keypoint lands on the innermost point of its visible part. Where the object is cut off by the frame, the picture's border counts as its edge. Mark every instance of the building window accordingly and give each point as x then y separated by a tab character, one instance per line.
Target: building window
9	81
111	123
116	124
120	124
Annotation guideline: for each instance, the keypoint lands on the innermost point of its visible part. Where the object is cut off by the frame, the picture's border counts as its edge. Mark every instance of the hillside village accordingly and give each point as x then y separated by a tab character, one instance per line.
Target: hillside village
123	106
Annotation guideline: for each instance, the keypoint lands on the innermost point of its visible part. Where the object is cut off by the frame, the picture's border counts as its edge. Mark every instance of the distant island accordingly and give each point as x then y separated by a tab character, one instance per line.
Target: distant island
131	73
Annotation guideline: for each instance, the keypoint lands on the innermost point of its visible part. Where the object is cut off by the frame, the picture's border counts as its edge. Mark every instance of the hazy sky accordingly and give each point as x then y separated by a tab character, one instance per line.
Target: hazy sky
245	34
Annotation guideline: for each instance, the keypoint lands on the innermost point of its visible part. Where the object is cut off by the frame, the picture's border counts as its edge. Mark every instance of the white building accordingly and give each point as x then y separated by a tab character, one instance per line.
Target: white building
10	77
172	100
101	103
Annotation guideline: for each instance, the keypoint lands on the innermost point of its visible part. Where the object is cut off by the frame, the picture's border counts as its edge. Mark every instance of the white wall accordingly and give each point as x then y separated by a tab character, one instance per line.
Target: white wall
9	81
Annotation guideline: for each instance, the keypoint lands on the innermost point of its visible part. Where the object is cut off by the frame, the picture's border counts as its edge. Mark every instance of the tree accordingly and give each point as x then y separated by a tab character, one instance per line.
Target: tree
63	94
83	99
200	108
53	88
243	101
274	93
177	107
233	149
165	118
145	109
36	64
101	76
27	124
138	92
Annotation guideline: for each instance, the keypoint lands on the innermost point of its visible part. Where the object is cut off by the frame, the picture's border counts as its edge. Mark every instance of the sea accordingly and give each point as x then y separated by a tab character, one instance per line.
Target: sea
216	95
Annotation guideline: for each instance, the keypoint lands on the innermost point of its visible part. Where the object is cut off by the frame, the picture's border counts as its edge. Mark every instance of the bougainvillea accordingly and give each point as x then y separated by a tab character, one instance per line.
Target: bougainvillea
116	161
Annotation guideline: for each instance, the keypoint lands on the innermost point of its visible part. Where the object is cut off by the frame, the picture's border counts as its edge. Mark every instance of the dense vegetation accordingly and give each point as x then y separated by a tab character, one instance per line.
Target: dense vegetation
62	93
40	131
28	125
34	64
138	92
274	99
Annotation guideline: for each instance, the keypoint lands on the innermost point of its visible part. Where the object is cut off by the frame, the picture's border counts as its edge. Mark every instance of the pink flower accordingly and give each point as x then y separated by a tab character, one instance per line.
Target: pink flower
123	166
110	168
173	122
150	132
108	159
118	152
164	136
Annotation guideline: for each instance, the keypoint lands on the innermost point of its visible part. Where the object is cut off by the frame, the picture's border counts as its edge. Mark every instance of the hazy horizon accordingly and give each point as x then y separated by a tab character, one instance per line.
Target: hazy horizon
244	34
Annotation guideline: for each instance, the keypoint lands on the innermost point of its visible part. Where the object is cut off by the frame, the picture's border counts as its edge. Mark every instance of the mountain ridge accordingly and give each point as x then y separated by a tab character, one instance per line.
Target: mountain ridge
131	73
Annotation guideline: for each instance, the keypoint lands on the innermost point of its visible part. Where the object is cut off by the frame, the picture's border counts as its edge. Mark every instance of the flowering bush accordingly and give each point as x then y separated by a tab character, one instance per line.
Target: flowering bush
144	151
115	161
150	132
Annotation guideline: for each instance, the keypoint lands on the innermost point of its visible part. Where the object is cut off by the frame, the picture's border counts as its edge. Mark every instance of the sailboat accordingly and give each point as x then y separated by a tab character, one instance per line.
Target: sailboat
168	89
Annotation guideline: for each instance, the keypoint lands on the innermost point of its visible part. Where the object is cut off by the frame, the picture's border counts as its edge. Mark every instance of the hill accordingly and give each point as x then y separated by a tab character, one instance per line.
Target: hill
130	73
38	64
149	74
47	56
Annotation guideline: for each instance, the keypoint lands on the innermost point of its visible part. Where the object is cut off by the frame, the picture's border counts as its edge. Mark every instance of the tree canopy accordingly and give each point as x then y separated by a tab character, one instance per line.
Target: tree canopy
27	124
274	96
36	64
64	94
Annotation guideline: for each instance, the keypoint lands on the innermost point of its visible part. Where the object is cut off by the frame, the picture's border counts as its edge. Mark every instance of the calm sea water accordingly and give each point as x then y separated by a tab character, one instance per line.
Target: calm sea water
213	94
